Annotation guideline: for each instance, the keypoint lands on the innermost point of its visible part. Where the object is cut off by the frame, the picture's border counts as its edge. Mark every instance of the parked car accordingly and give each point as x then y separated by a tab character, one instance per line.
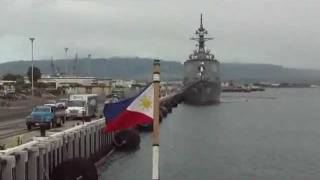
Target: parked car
59	104
51	103
62	103
48	115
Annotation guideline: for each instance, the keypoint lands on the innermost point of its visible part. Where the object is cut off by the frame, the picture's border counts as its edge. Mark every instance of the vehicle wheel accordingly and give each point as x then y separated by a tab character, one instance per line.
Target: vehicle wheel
75	168
50	125
53	124
60	123
29	127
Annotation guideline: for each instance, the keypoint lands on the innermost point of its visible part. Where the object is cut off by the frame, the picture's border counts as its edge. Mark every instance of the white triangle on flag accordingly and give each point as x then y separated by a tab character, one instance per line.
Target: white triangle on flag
144	103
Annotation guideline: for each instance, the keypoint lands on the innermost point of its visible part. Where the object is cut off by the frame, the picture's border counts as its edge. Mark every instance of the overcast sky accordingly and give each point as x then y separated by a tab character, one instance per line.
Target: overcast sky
285	32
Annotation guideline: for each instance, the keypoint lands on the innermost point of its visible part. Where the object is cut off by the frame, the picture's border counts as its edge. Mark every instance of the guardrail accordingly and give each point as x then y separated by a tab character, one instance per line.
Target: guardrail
36	160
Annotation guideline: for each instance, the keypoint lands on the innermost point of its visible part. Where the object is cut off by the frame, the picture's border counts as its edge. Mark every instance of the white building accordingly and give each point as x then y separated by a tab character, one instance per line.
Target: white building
7	87
123	83
66	81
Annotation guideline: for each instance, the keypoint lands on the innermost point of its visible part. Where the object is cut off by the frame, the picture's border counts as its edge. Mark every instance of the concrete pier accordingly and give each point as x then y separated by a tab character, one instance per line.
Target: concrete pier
36	160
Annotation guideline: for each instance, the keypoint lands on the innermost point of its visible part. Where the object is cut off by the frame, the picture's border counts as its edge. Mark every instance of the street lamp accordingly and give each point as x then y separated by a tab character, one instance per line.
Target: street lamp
66	64
32	64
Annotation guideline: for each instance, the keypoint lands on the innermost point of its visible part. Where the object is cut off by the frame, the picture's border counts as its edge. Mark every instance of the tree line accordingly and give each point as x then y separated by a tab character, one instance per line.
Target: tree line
20	79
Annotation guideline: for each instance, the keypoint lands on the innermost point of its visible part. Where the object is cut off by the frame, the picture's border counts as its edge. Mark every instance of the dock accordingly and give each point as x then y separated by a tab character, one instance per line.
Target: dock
87	140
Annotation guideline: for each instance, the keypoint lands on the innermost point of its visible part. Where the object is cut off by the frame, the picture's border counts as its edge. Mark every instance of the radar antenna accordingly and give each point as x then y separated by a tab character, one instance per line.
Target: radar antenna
201	25
201	39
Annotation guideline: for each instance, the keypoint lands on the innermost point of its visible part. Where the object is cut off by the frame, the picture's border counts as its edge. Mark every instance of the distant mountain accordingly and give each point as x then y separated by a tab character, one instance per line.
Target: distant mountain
125	68
267	72
141	68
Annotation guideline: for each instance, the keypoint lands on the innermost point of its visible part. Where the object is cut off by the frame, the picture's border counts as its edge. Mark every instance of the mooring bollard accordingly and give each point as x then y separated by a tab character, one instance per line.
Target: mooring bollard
43	128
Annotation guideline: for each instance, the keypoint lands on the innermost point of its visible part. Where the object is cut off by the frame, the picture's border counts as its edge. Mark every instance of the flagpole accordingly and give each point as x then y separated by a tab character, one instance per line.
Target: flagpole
156	130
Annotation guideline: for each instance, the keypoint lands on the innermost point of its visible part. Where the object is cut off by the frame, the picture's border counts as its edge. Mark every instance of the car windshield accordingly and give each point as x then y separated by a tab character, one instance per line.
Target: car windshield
51	102
41	109
75	103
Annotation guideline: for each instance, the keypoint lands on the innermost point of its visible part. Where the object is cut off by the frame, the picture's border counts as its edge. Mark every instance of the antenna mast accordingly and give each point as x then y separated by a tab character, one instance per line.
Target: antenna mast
201	39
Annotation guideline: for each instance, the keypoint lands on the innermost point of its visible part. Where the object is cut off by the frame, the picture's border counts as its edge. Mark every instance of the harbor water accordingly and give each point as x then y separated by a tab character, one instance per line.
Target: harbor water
264	135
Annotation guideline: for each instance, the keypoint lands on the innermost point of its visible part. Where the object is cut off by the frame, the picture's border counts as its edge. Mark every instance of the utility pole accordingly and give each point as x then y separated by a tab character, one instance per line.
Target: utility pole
53	69
32	64
66	62
89	66
75	61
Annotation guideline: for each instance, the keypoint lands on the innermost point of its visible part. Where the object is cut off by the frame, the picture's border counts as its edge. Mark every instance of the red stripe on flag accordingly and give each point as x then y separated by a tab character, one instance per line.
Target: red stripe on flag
128	119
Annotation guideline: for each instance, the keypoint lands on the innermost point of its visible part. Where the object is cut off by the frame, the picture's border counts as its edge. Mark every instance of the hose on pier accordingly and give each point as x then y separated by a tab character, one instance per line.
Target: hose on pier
77	168
174	103
168	106
127	140
145	127
163	111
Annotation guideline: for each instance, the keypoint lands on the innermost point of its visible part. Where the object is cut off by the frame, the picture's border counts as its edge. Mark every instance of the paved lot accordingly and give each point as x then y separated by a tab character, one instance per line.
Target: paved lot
20	131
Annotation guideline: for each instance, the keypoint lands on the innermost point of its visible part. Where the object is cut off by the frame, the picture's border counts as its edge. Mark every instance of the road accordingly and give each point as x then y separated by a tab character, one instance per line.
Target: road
10	129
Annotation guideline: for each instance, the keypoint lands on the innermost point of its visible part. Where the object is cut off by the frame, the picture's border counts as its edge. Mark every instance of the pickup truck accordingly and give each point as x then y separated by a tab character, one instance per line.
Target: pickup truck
48	115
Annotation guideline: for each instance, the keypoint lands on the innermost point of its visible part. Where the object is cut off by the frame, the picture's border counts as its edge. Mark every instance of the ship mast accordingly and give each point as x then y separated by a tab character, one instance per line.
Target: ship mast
201	39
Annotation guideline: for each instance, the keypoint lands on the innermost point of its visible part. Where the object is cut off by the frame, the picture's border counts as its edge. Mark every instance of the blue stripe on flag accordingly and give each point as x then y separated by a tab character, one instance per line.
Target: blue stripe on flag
112	110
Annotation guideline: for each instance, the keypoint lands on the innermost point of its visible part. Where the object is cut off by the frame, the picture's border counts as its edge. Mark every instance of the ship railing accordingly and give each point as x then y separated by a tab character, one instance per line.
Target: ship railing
36	159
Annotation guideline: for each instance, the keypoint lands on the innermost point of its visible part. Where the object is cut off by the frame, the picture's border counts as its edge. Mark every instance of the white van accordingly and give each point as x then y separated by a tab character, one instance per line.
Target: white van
82	105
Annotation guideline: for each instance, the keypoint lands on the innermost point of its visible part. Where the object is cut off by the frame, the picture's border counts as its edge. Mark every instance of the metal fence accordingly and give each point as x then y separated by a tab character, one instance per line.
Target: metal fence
35	160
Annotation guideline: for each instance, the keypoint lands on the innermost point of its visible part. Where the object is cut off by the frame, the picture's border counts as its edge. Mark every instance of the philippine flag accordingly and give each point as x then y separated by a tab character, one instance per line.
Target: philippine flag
130	112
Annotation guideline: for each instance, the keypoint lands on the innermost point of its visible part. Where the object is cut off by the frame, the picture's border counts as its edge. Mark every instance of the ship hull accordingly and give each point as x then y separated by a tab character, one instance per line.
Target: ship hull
203	93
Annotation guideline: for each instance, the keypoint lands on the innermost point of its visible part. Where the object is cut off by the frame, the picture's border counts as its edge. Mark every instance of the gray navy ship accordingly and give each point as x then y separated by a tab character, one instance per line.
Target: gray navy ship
202	84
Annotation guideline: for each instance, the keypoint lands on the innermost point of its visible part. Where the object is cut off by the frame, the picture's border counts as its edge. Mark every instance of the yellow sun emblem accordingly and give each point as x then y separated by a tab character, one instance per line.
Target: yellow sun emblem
145	102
